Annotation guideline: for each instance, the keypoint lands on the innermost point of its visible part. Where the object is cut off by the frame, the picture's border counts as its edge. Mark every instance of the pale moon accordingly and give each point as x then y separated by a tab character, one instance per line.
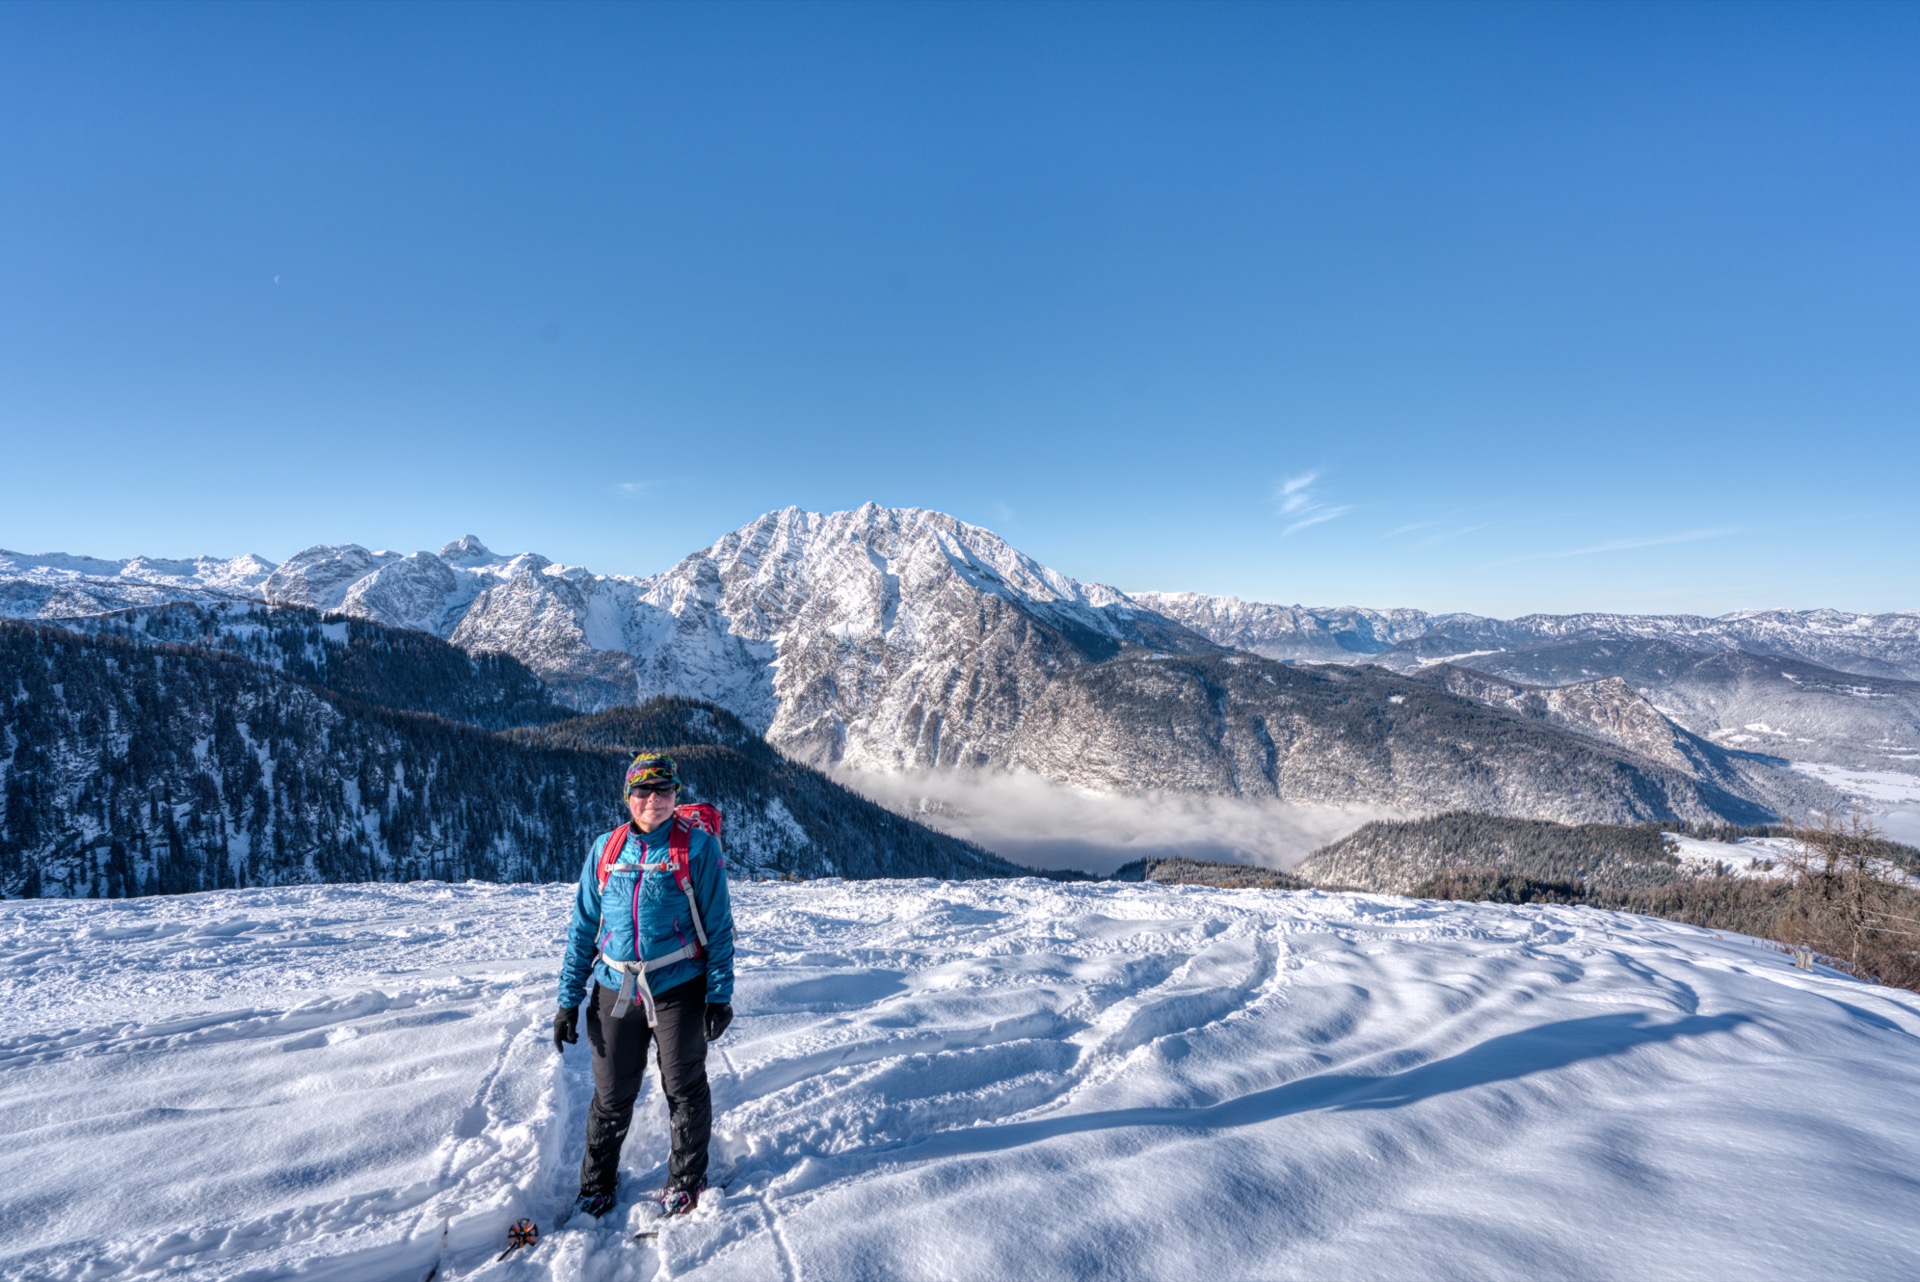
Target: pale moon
276	280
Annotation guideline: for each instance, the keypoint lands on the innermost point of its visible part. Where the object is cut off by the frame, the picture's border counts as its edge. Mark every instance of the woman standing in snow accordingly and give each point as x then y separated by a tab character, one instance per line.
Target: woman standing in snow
666	936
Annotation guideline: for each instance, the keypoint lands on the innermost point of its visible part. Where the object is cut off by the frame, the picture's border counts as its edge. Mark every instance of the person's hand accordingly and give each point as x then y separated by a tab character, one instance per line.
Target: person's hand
719	1015
564	1026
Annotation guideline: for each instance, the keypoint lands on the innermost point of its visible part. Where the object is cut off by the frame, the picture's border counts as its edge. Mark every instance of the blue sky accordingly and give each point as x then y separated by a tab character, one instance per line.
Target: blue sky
1496	308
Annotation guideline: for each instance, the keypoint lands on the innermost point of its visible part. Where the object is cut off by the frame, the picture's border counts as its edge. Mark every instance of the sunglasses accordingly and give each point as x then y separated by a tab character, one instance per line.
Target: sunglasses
655	789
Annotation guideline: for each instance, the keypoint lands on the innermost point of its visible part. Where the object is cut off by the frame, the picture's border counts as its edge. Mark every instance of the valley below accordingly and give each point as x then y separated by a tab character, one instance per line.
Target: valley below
916	661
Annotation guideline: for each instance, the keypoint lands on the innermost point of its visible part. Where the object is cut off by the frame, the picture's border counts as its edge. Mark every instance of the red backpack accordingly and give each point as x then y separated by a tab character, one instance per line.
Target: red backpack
686	819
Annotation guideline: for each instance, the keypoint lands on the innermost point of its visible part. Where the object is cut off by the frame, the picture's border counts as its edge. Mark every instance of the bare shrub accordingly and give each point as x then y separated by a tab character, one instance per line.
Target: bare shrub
1852	903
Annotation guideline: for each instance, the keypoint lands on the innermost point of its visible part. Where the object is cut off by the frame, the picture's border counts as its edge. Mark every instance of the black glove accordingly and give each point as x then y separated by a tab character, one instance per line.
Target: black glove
564	1021
719	1015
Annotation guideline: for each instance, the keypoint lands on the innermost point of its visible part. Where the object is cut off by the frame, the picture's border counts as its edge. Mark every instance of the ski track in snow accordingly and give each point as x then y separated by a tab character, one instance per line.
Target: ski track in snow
986	1079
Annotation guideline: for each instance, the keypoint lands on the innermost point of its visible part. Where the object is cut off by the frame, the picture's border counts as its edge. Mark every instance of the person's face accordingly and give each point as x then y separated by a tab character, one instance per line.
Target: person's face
650	809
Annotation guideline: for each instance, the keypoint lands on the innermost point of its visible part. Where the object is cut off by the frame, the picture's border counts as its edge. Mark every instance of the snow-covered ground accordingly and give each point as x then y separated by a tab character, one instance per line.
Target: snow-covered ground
982	1080
1763	857
1747	857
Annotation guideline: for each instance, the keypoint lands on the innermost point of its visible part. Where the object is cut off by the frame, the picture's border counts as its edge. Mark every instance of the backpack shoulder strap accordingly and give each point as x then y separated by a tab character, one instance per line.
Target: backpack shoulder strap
679	855
610	853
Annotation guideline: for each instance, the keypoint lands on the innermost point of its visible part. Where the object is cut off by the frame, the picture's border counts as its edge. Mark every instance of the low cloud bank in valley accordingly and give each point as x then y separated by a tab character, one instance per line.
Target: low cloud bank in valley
1042	824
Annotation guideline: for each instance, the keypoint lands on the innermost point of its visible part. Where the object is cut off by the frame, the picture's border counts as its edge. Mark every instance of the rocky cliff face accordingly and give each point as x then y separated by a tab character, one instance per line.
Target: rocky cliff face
893	638
1613	712
1608	709
1238	725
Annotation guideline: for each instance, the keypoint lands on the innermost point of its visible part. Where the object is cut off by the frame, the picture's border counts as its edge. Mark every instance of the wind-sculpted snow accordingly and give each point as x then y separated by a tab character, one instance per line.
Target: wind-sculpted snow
981	1080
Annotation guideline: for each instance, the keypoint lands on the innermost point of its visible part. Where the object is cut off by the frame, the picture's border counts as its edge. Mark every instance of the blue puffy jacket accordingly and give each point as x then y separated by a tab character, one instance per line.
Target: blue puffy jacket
650	907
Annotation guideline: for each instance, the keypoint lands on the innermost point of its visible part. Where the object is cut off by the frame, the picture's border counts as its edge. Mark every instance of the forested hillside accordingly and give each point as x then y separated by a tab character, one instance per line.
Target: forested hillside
133	767
394	668
1396	856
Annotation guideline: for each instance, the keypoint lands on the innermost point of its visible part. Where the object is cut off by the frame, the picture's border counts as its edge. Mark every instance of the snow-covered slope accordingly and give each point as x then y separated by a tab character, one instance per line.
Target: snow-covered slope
989	1080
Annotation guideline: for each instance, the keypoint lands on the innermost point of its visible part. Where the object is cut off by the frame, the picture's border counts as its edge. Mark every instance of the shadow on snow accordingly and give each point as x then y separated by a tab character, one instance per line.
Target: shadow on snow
1500	1059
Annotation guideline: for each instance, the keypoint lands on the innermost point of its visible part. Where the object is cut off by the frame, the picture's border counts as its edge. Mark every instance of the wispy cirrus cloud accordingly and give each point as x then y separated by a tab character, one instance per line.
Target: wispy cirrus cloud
1626	545
633	489
1451	523
1299	503
1443	535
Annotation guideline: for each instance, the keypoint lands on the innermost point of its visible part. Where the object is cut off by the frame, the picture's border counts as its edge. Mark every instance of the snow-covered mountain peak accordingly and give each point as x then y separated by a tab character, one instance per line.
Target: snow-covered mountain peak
468	550
320	577
527	563
850	572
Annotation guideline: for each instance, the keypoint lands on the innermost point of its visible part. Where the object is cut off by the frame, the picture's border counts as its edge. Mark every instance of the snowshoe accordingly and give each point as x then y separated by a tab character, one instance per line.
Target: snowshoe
672	1203
680	1201
594	1204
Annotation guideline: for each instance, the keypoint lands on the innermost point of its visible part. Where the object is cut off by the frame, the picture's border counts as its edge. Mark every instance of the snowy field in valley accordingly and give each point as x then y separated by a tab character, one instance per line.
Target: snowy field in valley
1890	800
984	1080
1746	857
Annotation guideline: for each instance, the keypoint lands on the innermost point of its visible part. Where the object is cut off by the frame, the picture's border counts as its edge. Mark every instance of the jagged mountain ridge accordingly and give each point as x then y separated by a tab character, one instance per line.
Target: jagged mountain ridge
414	590
771	622
884	639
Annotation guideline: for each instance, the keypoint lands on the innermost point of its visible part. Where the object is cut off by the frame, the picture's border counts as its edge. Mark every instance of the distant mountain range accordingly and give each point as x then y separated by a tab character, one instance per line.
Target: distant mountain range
881	640
1886	645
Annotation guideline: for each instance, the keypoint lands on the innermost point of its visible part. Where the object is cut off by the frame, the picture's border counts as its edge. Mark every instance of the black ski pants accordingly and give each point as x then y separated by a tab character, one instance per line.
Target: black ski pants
619	1048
